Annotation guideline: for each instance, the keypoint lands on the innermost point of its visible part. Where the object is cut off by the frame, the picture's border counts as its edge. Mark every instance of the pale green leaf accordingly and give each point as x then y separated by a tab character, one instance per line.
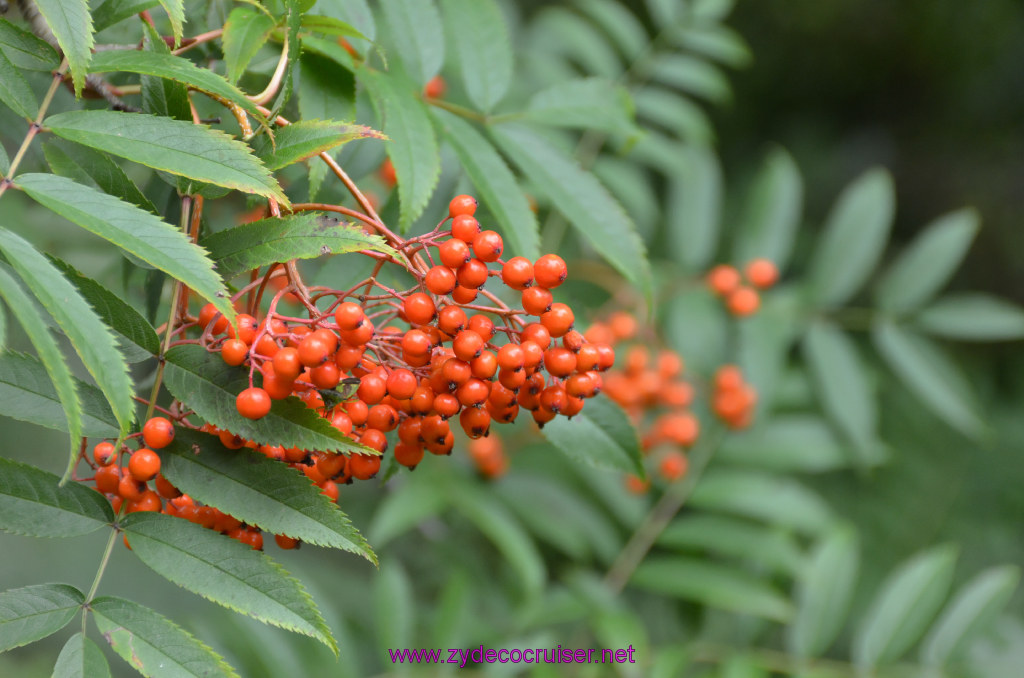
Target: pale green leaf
81	658
601	435
90	167
774	499
786	442
394	608
734	538
475	31
245	32
176	13
694	208
973	317
693	76
414	27
14	90
772	214
34	612
330	25
678	115
71	24
824	593
32	503
111	12
587	103
25	50
304	139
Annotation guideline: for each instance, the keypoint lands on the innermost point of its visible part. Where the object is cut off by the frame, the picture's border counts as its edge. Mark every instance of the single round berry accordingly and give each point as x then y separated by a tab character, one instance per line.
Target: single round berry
349	315
382	417
761	273
363	466
158	433
559	362
743	301
435	87
536	333
313	351
360	335
286	542
409	454
511	357
372	389
451	320
467	345
440	280
207	314
475	422
537	300
247	328
326	377
416	342
517	273
419	308
454	253
723	279
144	464
253	403
485	365
558	319
103	453
465	228
462	205
401	384
234	351
483	326
472	274
550	271
464	295
487	246
287	364
673	466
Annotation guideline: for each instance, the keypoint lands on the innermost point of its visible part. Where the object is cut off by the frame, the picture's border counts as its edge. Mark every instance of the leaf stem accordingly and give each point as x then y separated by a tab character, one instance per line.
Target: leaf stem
99	574
460	111
58	77
658	518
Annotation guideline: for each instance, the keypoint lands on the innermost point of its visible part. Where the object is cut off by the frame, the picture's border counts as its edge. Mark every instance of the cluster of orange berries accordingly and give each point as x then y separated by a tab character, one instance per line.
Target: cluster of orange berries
733	399
453	359
728	283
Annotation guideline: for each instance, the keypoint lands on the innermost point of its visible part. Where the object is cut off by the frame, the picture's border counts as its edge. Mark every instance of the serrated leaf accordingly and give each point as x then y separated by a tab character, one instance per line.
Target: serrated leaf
840	379
307	138
111	12
225	571
601	435
176	13
209	386
34	612
81	658
14	90
91	338
32	503
326	89
413	149
975	606
193	151
25	50
153	644
245	32
928	263
136	337
90	167
414	27
787	442
160	96
678	115
35	326
734	538
973	317
693	76
598	219
694	208
302	236
259	491
774	499
929	374
772	214
356	13
170	67
132	229
292	25
497	186
475	32
506	533
717	586
903	608
71	24
853	240
27	394
587	103
329	49
558	33
330	25
824	592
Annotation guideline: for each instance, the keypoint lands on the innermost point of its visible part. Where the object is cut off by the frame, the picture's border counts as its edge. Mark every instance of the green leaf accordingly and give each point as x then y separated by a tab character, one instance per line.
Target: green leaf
777	500
974	607
693	76
259	491
136	337
175	68
973	317
71	24
329	25
90	167
307	138
930	375
329	49
303	236
717	42
413	149
734	538
557	33
153	644
497	186
414	27
326	89
854	238
81	658
14	90
34	612
587	103
33	504
928	263
353	12
840	379
601	435
160	96
25	50
193	151
394	608
598	219
903	608
621	24
225	571
132	229
714	585
800	443
824	592
176	13
90	337
292	25
505	532
111	12
35	326
475	31
680	116
27	394
209	386
245	32
772	213
694	209
399	512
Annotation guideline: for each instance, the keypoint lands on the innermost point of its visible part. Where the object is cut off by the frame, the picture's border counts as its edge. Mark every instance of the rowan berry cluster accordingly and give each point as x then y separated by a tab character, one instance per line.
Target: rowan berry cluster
740	291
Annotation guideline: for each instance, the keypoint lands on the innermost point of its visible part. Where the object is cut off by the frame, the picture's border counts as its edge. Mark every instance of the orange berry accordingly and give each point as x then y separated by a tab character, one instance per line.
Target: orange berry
440	280
363	466
762	273
234	352
558	319
472	274
349	315
673	466
207	314
253	403
537	300
401	384
488	245
723	279
144	464
313	351
409	454
550	271
743	301
103	453
387	173
454	253
158	433
517	273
